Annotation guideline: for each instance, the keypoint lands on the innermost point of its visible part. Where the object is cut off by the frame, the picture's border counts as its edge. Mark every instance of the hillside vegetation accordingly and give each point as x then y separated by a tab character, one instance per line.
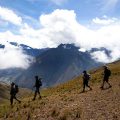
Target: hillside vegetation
66	102
4	92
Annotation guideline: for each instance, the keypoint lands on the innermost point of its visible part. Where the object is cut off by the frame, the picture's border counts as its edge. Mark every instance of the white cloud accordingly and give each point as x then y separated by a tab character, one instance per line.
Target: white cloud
100	56
104	21
61	26
10	16
13	57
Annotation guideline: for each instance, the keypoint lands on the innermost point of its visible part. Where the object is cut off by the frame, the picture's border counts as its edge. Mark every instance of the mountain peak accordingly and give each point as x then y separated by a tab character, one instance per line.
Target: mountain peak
68	46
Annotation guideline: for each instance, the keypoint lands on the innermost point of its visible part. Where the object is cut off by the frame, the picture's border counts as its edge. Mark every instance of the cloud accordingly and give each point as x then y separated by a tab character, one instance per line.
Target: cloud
10	16
61	26
104	21
13	57
100	56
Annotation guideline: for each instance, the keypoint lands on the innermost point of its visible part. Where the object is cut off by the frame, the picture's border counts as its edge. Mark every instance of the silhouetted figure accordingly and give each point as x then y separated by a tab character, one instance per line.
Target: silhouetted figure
86	78
38	84
106	74
13	92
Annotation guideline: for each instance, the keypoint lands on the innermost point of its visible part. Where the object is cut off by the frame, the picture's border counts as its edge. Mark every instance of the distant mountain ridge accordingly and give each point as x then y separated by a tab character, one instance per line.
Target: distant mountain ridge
58	65
55	65
29	50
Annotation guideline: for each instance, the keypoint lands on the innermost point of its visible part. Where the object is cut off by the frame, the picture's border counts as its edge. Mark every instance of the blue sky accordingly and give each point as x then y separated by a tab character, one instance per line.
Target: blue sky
48	23
85	9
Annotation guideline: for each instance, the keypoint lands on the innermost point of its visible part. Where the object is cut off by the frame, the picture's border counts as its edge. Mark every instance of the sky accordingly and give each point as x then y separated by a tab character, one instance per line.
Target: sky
48	23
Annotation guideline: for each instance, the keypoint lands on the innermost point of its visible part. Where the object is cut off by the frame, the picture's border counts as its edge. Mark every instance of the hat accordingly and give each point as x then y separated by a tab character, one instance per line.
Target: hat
12	83
84	71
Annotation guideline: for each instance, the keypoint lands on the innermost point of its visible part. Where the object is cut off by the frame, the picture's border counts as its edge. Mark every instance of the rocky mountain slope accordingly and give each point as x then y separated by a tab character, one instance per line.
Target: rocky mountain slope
66	102
57	65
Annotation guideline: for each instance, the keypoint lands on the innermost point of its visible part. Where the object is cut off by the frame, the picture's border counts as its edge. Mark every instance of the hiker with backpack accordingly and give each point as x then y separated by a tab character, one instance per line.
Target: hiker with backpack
86	78
14	90
107	74
38	84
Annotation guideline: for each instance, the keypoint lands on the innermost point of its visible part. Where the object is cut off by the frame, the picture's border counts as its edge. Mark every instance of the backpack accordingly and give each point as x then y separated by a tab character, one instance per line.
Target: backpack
88	76
40	83
109	73
16	89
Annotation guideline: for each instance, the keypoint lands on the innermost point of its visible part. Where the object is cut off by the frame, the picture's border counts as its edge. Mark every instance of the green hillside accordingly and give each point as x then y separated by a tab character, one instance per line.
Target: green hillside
66	102
4	92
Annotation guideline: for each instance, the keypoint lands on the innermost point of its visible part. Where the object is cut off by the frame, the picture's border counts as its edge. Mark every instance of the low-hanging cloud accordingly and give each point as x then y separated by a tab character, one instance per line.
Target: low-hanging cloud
13	57
61	26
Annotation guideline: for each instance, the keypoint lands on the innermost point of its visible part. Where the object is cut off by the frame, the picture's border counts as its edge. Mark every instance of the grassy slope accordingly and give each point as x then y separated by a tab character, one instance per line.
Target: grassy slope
4	92
65	102
5	96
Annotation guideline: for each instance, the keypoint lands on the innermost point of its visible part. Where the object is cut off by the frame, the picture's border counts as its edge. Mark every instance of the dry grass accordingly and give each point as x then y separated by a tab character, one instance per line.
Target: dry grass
65	102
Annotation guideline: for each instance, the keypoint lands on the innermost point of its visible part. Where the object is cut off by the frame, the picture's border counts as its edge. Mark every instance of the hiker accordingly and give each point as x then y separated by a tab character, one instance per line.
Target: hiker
13	92
38	84
106	74
86	78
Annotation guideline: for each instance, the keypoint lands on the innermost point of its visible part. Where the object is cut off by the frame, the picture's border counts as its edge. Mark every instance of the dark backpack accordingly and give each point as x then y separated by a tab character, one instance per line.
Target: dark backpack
88	76
109	73
40	83
16	89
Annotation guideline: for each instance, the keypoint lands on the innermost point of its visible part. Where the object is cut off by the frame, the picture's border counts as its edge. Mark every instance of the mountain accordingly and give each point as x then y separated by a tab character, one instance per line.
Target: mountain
2	46
54	65
29	50
57	65
8	75
66	102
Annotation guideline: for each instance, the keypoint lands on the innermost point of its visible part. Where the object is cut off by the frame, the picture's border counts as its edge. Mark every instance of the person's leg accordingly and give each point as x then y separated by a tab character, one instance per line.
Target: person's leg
16	99
11	99
83	86
39	93
107	81
35	95
102	86
88	85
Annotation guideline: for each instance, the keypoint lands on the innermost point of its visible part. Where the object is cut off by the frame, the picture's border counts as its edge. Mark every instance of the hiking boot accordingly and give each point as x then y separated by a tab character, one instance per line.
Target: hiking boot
40	97
101	87
90	88
33	99
110	86
83	91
